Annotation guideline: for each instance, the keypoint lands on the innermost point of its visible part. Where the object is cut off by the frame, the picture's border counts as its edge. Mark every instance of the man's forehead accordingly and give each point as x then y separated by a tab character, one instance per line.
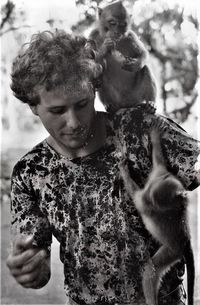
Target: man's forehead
71	90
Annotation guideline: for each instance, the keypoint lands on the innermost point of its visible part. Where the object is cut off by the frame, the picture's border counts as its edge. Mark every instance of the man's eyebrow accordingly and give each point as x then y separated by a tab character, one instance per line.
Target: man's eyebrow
82	100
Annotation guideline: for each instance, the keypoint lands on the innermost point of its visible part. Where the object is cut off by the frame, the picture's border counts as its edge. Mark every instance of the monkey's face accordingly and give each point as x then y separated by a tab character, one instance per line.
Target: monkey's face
114	21
169	194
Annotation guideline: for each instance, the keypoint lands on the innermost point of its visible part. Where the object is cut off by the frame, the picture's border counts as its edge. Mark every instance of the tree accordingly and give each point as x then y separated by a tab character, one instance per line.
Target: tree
9	17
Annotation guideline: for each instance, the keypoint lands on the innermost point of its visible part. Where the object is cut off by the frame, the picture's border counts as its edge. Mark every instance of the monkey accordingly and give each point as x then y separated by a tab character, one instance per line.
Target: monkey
126	80
162	205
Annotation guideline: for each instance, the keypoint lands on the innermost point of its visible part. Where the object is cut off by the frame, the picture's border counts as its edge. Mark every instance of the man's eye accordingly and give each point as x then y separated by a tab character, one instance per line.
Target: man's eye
82	104
57	110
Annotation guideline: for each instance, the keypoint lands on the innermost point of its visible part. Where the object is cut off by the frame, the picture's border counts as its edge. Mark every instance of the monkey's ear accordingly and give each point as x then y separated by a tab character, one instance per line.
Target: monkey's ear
99	11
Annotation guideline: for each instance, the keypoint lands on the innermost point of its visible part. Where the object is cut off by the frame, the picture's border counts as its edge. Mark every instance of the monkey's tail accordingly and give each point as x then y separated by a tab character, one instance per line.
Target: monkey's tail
189	258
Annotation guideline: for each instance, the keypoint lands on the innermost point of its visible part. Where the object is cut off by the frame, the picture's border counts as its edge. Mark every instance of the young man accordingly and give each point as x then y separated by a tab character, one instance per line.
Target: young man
68	185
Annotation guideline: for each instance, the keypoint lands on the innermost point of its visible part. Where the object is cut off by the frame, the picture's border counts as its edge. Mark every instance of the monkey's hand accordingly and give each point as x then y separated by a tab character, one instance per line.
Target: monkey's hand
148	107
107	46
130	185
158	125
131	64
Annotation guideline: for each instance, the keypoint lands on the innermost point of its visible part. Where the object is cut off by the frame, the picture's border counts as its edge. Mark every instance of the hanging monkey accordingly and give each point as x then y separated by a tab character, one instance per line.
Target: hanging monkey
127	80
162	204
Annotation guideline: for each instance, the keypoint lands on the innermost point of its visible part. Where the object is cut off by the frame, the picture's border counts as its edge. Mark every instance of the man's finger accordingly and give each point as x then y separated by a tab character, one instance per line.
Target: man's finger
22	243
34	262
27	278
16	271
19	260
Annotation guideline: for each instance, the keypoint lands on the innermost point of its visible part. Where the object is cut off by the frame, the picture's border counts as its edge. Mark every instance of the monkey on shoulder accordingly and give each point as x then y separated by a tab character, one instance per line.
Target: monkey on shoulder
126	80
162	204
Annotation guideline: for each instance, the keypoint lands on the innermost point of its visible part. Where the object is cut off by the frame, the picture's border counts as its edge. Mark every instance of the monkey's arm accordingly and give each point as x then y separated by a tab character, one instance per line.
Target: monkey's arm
157	128
130	185
138	52
102	46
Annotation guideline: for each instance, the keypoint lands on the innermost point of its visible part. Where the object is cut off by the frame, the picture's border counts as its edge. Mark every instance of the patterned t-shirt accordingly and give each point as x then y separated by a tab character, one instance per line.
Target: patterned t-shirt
83	203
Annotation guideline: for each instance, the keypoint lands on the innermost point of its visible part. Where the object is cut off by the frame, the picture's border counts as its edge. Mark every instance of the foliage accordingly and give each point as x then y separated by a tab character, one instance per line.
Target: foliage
170	34
6	12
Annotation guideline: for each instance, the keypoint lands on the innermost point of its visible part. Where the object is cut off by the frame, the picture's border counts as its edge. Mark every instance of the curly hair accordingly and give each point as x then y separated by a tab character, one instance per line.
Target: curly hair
53	59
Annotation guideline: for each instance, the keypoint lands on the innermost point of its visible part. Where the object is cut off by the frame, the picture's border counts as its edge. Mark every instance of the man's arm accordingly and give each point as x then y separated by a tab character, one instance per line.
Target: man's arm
29	259
29	265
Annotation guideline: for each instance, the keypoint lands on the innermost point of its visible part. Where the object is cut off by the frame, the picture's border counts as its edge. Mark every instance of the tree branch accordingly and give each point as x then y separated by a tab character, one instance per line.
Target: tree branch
12	28
8	8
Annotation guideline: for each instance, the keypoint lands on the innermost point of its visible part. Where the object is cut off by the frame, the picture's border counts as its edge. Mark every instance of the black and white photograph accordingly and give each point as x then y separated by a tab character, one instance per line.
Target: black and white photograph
100	152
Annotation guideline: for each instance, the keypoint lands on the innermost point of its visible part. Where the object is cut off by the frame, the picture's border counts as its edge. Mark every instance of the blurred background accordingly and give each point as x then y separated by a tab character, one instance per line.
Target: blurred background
168	28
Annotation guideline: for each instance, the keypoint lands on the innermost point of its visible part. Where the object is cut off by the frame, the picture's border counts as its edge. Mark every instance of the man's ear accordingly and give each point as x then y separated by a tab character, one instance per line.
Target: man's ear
34	109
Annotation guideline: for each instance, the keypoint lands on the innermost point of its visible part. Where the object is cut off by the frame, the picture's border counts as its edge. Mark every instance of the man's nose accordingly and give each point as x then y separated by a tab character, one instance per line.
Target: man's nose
72	120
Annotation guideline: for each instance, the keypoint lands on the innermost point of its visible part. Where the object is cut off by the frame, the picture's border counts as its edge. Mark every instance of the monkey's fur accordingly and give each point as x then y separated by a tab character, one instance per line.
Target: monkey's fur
126	80
162	204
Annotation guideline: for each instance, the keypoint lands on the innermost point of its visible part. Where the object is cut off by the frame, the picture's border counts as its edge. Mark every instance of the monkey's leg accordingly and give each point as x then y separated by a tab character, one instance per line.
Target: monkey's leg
148	84
149	283
144	86
162	260
130	185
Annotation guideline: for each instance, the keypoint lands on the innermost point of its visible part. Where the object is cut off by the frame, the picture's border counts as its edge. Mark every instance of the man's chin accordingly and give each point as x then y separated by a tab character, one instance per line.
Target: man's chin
75	144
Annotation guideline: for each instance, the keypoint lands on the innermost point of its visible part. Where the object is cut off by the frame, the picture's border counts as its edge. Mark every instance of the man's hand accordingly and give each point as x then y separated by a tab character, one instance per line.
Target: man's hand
28	264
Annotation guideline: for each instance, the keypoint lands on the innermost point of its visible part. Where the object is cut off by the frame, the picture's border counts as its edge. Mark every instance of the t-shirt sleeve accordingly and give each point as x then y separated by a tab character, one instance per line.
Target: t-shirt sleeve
26	215
182	153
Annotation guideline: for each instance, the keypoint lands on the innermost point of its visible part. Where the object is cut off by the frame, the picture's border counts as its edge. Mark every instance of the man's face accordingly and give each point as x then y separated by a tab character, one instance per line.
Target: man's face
67	114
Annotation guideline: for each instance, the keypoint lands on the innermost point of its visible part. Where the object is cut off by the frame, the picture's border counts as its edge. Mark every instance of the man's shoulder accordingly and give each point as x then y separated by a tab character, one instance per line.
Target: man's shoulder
125	116
36	158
